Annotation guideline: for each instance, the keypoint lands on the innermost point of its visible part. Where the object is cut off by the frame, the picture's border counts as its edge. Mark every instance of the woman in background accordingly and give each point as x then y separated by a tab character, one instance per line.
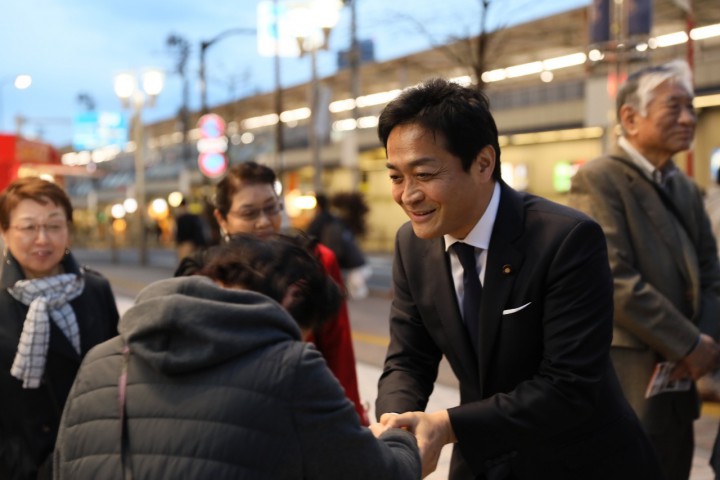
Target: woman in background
246	202
53	312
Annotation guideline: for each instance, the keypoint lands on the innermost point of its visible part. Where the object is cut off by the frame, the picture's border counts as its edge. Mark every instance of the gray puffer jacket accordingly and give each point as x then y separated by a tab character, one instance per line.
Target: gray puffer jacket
219	386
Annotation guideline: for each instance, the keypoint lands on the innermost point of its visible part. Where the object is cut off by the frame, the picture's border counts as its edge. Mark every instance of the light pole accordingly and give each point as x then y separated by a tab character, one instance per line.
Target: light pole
21	82
278	96
204	45
314	23
136	97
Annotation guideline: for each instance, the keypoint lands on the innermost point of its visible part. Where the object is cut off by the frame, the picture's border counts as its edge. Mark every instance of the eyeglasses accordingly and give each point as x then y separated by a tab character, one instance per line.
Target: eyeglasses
33	230
252	214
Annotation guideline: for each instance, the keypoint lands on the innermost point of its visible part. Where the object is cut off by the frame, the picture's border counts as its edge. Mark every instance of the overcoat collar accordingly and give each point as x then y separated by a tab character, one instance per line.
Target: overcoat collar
504	263
670	230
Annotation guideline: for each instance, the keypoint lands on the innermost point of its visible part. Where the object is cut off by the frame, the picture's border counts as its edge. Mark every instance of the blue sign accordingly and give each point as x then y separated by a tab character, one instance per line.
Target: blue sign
599	21
93	130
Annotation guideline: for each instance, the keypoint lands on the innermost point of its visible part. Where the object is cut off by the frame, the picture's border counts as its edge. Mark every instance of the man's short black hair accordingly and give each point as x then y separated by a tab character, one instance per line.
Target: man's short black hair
460	115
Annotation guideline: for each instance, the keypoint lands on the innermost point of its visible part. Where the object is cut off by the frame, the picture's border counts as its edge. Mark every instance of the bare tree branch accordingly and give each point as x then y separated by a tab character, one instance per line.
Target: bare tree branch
473	52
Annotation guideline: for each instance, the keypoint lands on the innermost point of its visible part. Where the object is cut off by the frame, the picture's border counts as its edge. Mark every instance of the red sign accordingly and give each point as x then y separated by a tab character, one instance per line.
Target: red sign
212	145
17	152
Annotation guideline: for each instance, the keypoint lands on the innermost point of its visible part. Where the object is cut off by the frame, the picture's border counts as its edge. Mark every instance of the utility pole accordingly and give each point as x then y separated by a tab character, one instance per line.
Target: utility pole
183	51
355	88
204	45
279	142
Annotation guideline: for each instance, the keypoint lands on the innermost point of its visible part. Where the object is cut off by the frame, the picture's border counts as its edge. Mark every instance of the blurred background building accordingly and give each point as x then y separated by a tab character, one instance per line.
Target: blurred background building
551	84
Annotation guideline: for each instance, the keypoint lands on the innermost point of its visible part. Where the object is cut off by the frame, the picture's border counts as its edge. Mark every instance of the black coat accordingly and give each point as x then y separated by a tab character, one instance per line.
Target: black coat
29	418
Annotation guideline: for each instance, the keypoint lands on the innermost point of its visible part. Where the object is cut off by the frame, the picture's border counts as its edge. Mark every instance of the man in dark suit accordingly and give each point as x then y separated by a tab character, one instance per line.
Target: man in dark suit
538	394
662	254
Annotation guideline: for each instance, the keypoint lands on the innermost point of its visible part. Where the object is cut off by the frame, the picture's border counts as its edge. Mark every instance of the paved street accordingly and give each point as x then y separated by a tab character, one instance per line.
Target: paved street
369	322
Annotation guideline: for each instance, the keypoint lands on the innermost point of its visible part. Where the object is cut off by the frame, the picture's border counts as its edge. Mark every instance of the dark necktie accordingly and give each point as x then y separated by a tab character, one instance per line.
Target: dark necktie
472	287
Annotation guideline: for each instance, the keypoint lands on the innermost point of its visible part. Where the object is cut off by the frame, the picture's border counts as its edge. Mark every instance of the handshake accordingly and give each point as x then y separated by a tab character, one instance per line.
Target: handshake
432	431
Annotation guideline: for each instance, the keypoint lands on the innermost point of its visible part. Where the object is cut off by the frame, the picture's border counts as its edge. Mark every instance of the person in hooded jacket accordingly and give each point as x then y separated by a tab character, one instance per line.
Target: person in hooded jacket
246	202
215	382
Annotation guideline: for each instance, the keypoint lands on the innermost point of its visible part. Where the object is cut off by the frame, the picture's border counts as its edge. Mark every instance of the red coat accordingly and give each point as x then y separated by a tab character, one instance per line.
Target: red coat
334	340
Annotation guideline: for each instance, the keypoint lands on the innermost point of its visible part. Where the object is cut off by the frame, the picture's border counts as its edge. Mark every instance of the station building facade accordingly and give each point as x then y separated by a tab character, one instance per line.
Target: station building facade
550	93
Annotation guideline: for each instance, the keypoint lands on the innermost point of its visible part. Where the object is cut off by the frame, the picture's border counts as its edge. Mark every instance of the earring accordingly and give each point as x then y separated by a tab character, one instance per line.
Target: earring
67	251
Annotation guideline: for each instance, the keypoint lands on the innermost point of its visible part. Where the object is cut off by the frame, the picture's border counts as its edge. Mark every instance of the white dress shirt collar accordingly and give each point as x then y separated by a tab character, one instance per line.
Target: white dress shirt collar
659	176
479	236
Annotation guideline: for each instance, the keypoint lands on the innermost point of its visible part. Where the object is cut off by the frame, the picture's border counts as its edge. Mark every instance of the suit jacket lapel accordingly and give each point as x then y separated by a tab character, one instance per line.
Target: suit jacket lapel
502	267
683	199
667	226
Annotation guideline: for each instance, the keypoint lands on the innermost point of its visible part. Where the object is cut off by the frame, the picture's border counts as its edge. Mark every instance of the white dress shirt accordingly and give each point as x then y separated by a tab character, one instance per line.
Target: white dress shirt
479	237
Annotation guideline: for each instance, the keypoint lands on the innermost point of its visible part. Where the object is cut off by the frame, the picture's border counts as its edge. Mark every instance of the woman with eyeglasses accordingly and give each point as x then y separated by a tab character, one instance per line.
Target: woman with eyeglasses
53	312
246	202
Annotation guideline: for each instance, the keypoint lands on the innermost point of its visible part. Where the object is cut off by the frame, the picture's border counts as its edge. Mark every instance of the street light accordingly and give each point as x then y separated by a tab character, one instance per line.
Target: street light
313	24
204	45
21	82
137	97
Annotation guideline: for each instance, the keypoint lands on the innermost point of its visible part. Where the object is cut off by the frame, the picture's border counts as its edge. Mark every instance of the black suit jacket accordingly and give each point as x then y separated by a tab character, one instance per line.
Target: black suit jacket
541	399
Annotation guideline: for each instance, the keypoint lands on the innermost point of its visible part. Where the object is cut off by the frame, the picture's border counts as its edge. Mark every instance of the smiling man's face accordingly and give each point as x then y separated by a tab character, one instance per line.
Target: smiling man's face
430	185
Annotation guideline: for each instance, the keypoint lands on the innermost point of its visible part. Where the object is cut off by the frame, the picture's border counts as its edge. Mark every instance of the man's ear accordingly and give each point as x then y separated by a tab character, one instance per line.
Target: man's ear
628	118
485	161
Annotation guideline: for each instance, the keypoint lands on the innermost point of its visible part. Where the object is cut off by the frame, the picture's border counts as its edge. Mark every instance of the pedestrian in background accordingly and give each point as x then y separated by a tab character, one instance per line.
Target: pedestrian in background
709	385
339	233
515	291
53	312
662	255
190	231
217	383
246	202
712	205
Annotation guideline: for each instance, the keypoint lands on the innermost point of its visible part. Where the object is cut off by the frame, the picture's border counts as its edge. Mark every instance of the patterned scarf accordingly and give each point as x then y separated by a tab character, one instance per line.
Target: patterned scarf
47	298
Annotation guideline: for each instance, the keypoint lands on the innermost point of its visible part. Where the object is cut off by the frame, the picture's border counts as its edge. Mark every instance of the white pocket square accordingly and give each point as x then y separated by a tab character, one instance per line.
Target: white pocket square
513	310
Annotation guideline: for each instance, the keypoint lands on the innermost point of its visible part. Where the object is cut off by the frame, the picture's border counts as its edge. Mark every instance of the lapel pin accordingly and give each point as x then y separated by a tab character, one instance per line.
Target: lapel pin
507	269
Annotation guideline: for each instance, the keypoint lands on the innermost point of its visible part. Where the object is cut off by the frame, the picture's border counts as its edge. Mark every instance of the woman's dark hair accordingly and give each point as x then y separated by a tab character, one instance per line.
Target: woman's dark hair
459	115
352	209
36	189
271	266
249	173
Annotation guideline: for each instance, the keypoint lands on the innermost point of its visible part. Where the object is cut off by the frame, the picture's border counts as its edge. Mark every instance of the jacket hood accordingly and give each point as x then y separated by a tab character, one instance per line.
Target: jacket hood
184	324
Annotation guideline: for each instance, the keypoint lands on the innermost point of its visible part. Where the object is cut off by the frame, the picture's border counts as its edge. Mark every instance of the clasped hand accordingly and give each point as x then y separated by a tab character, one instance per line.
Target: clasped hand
432	430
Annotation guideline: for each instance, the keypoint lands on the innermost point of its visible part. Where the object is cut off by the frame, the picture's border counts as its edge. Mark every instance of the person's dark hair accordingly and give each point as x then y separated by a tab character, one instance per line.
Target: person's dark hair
460	115
322	201
36	189
249	173
352	209
271	265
